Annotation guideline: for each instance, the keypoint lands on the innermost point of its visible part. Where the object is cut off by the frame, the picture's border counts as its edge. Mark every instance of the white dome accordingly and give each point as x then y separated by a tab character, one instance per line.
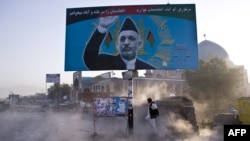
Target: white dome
209	50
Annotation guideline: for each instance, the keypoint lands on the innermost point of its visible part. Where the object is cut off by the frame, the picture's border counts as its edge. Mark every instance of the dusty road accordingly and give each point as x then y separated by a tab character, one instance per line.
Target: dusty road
75	126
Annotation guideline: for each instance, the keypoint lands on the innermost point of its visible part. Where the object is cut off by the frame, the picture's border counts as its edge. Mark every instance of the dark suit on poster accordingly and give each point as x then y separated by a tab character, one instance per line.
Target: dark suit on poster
96	61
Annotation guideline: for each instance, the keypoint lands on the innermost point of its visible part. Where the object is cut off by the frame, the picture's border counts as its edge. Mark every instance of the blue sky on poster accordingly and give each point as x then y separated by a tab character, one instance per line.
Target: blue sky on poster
32	37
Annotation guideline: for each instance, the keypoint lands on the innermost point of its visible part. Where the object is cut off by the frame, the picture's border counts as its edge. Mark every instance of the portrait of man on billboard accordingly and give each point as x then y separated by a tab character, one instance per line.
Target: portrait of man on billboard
139	37
128	43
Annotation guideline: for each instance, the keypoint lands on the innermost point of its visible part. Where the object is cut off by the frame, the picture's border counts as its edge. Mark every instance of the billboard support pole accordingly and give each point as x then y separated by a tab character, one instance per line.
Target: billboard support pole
129	75
130	107
46	91
95	118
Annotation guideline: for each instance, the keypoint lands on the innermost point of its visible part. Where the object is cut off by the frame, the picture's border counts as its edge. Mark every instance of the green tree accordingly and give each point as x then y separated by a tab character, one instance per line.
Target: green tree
214	82
65	90
52	92
57	92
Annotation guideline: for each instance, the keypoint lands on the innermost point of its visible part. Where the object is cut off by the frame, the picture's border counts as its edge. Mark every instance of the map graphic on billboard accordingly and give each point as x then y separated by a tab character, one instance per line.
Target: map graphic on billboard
112	106
162	37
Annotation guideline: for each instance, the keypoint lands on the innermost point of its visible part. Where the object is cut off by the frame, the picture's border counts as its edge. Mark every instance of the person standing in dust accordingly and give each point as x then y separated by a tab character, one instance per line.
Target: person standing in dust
152	114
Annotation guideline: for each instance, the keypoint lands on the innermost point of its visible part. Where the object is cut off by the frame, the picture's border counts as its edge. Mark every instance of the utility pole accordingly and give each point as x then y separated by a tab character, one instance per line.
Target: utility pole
128	75
130	106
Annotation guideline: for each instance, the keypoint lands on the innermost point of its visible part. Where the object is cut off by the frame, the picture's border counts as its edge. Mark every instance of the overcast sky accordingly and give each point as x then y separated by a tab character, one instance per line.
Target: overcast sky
32	37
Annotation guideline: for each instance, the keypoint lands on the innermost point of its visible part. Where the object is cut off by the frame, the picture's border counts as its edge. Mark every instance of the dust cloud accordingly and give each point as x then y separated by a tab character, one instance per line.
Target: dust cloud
74	125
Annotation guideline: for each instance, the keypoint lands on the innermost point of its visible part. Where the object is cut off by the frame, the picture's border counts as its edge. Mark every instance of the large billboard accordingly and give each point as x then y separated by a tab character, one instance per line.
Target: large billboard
52	78
162	37
110	106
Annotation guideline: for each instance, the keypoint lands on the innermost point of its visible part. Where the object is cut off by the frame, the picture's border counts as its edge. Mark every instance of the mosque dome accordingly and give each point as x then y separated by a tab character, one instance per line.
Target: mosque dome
209	50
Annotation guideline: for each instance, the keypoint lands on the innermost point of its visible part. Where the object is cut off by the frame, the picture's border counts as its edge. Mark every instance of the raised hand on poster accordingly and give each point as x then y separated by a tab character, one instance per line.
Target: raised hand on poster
106	22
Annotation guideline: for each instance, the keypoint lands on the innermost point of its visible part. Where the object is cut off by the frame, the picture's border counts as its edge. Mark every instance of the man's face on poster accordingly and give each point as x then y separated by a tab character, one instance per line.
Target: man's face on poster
128	44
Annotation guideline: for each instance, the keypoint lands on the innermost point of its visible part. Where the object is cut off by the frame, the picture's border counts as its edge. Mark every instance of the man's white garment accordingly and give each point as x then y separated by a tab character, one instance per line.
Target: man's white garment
152	120
130	65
